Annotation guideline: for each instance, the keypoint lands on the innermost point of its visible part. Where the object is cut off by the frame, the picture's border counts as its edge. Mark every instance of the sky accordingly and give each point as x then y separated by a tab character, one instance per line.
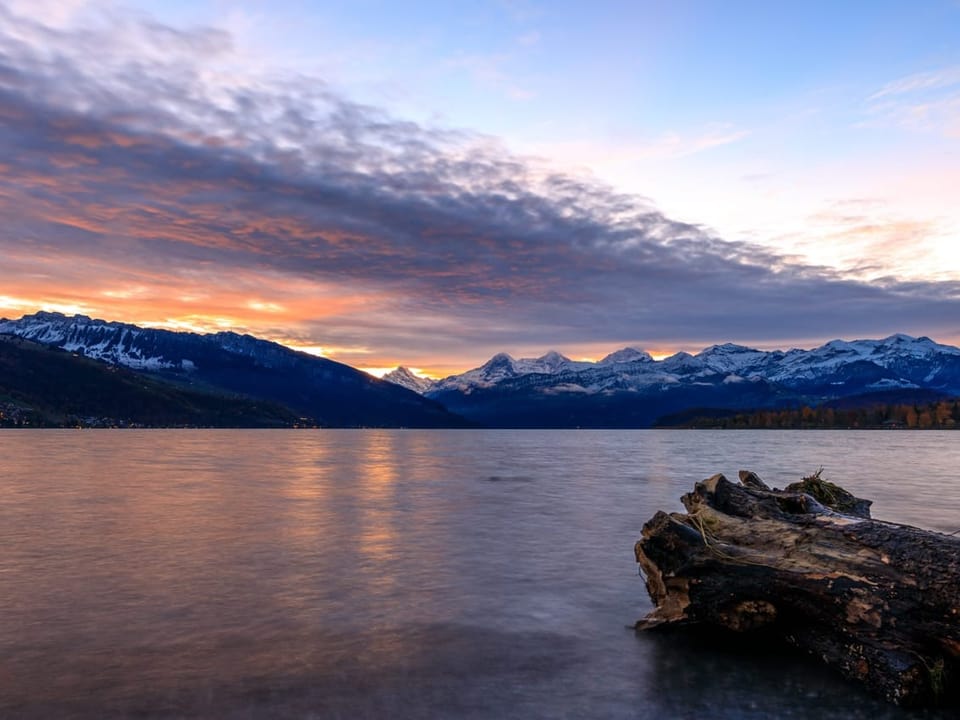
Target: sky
430	183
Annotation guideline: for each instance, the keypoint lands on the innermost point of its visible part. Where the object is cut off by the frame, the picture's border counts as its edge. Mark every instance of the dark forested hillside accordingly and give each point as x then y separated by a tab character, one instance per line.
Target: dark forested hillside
333	394
46	387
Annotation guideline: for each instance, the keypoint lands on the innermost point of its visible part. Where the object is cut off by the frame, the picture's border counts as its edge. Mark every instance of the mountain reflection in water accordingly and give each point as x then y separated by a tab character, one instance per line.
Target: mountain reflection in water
401	574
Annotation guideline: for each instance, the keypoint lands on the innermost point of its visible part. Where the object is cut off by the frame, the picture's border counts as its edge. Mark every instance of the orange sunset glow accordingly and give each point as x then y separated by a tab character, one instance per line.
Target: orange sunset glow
197	196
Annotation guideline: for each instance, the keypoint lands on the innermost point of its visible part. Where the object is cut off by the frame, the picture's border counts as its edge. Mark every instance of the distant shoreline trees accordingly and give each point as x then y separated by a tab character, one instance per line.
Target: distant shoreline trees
939	415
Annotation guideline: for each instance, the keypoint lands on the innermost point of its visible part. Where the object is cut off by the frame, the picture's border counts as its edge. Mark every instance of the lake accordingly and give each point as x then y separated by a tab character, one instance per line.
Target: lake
396	574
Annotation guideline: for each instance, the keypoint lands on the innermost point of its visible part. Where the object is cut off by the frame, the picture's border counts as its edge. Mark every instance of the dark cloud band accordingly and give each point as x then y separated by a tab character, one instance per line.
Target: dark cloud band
138	157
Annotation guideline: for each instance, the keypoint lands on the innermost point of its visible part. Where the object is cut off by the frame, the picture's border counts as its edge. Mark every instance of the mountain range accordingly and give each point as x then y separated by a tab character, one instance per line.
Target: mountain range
627	388
322	391
44	386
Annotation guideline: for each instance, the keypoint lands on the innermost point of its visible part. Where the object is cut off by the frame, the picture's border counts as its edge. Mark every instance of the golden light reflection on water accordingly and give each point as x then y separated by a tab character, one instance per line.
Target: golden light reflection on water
266	573
376	482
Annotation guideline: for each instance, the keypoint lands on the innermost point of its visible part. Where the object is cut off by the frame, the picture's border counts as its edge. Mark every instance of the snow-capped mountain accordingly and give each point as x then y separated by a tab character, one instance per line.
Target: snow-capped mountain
730	358
502	367
897	361
404	377
907	361
626	355
143	348
326	391
112	342
629	388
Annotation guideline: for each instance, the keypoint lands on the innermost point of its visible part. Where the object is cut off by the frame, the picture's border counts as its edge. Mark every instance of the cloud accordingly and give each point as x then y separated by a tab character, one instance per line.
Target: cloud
676	145
618	157
922	102
862	233
923	81
150	157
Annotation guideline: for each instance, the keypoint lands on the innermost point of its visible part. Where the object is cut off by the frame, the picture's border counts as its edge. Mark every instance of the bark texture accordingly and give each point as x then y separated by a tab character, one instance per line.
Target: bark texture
877	600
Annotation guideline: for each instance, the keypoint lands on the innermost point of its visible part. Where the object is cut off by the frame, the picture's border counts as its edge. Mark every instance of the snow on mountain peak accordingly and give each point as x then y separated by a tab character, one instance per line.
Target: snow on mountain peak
731	358
500	358
550	363
914	347
681	361
897	361
626	355
112	342
885	350
503	367
498	368
552	357
411	381
500	364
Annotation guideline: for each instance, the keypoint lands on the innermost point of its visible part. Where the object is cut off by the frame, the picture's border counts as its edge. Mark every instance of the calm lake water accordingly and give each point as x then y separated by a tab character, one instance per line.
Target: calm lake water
395	574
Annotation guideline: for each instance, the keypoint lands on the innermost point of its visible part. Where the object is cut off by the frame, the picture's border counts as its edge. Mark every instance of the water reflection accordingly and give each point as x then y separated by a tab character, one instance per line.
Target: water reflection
377	484
246	574
705	675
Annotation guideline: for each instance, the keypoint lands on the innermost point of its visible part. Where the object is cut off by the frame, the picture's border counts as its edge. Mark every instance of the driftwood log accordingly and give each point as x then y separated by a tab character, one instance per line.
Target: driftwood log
876	600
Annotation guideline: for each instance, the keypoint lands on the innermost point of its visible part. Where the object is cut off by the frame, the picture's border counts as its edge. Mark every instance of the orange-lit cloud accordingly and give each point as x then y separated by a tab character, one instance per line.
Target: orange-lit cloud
285	211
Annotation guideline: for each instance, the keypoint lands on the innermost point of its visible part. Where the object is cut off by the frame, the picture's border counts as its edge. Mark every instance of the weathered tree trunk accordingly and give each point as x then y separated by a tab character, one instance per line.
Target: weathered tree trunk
878	601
